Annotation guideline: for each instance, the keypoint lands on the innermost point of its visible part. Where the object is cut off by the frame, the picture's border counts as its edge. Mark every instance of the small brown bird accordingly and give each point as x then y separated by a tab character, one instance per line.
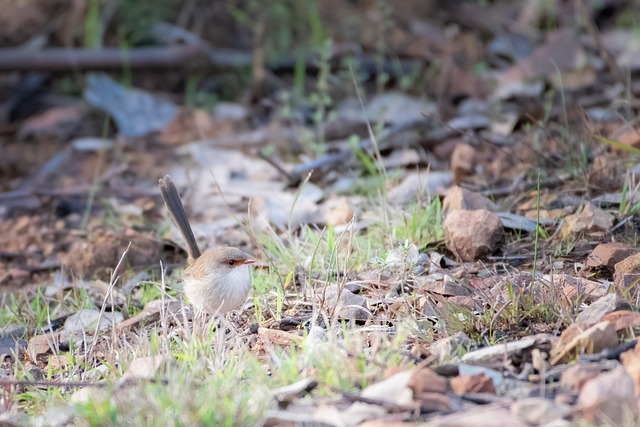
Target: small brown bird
216	281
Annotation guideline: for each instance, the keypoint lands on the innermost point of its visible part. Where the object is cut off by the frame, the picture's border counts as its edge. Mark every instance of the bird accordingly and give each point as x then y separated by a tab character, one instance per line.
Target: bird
216	281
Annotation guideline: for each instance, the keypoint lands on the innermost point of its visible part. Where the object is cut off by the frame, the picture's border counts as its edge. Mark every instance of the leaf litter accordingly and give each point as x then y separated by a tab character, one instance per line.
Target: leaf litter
449	247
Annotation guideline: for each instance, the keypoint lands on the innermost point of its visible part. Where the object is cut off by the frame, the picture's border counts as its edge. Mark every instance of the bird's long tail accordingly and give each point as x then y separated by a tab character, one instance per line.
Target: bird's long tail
176	210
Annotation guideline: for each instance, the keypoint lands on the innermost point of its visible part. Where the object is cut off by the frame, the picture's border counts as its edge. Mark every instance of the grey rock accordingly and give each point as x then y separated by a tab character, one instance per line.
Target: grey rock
56	416
603	306
87	319
11	346
135	111
347	304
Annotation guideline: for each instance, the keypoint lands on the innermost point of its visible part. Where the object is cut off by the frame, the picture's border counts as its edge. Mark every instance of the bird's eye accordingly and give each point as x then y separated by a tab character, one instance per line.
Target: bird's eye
231	262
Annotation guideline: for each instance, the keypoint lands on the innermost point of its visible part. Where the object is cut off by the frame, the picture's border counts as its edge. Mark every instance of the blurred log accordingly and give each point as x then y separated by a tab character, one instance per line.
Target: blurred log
59	59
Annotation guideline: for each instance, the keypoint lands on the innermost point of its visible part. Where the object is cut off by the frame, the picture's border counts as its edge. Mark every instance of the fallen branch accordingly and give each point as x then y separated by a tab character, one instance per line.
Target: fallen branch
60	59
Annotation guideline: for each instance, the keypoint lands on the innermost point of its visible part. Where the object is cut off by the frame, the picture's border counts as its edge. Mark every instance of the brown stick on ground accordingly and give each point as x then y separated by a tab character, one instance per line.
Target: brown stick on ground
58	59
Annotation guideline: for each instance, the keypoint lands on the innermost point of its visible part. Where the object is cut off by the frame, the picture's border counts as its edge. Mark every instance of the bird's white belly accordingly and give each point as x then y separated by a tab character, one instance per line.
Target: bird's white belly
222	295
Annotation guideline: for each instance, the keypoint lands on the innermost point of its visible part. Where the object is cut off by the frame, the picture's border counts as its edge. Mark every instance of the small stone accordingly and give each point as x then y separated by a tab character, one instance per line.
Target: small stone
472	384
89	394
607	255
403	257
473	234
625	322
268	338
577	375
459	198
609	398
337	211
616	384
86	320
590	220
42	344
347	304
601	307
537	410
590	341
146	368
580	288
426	385
626	276
11	346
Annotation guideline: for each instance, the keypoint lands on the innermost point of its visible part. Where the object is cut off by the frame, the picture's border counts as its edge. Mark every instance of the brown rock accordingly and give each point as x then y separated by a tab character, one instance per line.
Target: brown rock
88	394
626	276
464	301
462	161
472	384
607	255
430	391
609	398
624	321
592	340
577	375
611	412
459	198
41	345
435	402
146	368
590	220
616	384
578	288
270	338
427	381
337	211
473	234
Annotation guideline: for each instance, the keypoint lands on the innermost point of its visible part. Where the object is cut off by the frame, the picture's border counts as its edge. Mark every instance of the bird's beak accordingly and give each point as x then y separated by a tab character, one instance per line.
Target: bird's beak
248	261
